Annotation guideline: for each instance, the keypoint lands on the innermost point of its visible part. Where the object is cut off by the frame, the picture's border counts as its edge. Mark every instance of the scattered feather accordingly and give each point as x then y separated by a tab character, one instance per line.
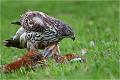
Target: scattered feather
84	51
92	43
75	59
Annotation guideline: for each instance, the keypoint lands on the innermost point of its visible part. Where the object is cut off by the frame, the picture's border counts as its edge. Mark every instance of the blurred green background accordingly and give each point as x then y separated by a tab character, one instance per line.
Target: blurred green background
96	26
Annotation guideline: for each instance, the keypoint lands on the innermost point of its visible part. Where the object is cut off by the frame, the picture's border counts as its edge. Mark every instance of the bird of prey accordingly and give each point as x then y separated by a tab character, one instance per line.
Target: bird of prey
39	31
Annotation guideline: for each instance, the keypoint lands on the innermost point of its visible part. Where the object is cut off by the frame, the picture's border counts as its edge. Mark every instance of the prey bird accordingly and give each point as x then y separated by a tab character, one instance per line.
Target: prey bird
41	30
38	31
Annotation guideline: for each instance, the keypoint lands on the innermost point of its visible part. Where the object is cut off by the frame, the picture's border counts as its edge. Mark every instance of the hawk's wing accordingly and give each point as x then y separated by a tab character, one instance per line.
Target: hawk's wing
39	22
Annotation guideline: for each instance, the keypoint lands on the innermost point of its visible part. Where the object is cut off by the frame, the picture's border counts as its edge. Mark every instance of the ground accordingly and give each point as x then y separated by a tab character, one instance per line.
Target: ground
96	28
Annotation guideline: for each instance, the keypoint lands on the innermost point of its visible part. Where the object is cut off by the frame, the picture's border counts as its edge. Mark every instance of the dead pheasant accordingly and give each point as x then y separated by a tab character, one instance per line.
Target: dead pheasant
37	31
30	60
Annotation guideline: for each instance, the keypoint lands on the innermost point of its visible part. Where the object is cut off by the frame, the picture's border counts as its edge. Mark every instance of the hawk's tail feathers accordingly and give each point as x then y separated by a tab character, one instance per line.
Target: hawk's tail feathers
11	43
17	23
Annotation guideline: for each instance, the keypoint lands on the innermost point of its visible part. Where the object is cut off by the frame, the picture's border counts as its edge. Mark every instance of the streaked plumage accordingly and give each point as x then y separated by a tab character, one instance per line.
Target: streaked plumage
38	31
40	22
41	30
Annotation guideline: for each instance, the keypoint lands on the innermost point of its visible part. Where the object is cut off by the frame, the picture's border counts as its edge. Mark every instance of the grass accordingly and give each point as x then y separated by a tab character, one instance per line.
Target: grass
96	21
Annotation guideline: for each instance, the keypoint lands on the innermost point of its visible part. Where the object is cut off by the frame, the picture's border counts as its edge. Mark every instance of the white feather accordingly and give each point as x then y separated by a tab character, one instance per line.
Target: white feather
75	59
19	32
23	41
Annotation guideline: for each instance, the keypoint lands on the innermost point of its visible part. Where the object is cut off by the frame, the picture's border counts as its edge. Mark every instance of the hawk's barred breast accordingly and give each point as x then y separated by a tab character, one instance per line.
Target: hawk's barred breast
37	38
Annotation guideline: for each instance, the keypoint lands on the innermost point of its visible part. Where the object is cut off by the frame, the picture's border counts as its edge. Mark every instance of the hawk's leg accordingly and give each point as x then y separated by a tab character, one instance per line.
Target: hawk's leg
51	50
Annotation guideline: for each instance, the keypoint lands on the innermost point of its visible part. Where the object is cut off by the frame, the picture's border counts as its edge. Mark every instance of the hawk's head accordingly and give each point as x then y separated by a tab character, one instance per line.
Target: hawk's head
68	32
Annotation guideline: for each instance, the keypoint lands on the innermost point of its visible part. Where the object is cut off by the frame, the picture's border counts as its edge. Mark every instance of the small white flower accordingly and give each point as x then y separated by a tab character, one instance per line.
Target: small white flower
92	43
84	51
